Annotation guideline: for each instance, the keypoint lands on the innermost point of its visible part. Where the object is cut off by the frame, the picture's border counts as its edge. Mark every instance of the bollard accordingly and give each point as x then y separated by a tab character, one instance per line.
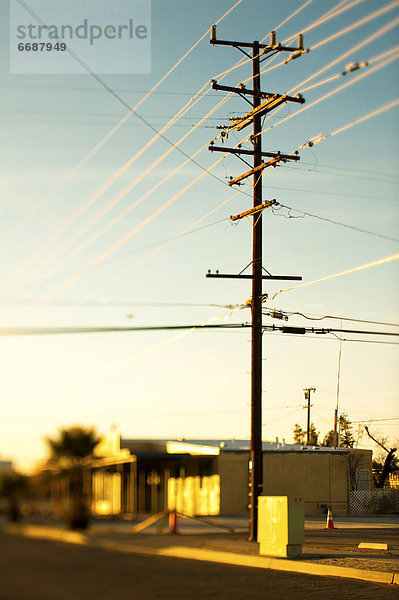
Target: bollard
173	521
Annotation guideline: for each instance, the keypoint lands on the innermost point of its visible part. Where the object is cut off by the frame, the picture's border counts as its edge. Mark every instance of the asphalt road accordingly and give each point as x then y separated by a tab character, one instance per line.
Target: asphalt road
44	570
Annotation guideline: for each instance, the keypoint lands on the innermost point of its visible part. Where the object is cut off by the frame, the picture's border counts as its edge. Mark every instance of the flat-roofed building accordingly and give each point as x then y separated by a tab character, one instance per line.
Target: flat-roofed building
211	477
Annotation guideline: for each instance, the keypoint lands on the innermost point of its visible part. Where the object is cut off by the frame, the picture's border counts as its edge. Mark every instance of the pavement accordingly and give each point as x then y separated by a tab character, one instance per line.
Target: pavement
332	553
41	569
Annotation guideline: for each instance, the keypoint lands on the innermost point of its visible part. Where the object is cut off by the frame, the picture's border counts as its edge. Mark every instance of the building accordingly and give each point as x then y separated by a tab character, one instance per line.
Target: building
210	477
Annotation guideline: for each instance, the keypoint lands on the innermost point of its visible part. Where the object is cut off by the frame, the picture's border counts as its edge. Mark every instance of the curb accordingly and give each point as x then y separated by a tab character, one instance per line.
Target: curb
231	558
375	546
278	564
47	533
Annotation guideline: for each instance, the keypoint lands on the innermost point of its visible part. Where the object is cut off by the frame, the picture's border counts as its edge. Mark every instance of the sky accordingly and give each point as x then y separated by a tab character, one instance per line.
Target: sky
77	251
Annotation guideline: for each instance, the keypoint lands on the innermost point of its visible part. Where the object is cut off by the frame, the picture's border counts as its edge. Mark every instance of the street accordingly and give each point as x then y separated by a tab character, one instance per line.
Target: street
45	570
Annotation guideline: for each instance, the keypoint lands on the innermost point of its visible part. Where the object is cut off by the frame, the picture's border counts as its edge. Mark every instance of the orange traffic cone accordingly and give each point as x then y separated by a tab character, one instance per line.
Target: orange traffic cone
330	522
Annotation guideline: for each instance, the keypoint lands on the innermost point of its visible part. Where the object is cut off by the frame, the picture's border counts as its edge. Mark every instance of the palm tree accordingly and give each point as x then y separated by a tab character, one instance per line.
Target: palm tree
71	452
13	486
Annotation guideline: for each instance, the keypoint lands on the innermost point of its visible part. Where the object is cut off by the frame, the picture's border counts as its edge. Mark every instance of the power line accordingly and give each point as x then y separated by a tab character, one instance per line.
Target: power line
96	90
346	225
127	189
322	20
343	56
363	21
322	192
205	170
206	412
374	111
322	331
159	244
94	123
103	303
57	330
370	341
43	330
316	169
320	318
131	110
111	91
364	231
212	174
281	417
115	200
372	114
364	172
373	263
377	420
186	231
178	195
356	66
368	40
105	254
315	336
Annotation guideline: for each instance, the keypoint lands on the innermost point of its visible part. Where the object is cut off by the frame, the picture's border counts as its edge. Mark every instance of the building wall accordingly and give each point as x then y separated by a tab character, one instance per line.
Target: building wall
321	479
233	470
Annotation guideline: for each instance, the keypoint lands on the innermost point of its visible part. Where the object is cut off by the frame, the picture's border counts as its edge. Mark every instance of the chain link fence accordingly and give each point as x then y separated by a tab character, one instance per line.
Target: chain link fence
374	502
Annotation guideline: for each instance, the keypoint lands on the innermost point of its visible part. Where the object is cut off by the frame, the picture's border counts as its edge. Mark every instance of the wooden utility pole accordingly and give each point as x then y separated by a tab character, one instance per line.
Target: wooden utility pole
261	104
256	472
308	406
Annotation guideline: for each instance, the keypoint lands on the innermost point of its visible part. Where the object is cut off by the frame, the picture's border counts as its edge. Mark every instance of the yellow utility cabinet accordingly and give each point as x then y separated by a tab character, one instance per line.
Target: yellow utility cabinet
281	526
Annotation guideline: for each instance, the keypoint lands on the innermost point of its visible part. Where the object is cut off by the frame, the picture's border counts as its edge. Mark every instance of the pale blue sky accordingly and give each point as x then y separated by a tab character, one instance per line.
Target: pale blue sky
198	385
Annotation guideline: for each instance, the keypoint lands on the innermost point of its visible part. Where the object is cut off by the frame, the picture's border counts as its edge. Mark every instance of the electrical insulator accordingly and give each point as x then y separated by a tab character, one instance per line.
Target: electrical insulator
300	41
273	38
213	34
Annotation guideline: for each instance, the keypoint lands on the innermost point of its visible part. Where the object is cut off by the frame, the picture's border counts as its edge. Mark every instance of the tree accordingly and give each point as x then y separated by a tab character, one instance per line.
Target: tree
345	431
13	486
328	439
300	435
70	453
346	439
382	468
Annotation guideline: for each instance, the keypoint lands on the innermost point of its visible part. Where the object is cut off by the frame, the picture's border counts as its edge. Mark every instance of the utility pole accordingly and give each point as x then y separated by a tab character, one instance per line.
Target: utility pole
261	104
256	478
336	440
307	392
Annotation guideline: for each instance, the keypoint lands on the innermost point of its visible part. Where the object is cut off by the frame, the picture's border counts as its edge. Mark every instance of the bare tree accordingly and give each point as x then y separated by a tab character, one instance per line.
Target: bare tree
354	461
383	469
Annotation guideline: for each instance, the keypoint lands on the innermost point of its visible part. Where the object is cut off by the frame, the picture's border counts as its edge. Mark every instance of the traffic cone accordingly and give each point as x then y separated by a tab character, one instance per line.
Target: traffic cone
330	522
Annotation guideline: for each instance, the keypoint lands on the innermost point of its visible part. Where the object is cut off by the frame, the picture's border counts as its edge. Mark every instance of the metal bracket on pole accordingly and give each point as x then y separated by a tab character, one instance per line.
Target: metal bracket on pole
272	47
240	150
218	275
241	89
270	163
253	210
264	108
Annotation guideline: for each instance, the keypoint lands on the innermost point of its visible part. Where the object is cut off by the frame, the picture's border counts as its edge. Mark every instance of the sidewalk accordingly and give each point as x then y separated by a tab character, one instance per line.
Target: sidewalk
325	552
